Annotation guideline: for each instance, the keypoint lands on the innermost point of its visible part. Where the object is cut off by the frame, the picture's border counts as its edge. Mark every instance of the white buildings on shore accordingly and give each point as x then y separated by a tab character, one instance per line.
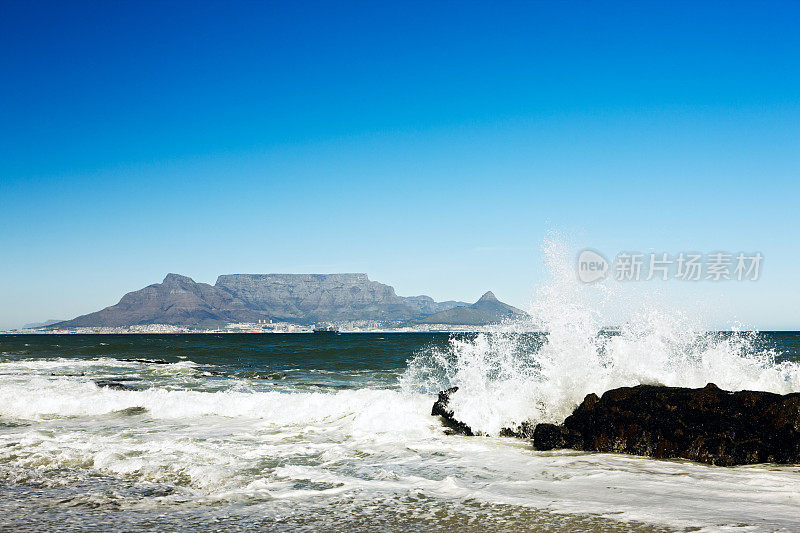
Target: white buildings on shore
248	327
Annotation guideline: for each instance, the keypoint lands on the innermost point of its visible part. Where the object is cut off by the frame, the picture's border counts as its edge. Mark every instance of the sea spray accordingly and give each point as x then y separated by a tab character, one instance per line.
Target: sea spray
511	375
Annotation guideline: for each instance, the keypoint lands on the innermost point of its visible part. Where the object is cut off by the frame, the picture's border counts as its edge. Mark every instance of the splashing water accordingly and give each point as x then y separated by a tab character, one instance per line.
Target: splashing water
511	375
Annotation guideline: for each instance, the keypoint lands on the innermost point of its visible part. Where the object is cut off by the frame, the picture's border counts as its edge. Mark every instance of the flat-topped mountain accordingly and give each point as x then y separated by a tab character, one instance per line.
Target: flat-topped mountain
326	297
298	298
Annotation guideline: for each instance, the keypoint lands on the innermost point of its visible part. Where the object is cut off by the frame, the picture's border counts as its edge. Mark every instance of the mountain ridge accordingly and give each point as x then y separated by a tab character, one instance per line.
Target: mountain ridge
298	298
487	310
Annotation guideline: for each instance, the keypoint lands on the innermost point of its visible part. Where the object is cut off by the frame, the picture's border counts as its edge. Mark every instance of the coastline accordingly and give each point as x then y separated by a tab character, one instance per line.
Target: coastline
282	328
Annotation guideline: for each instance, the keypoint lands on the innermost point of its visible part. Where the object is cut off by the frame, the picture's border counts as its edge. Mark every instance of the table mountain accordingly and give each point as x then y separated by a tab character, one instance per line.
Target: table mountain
299	298
326	297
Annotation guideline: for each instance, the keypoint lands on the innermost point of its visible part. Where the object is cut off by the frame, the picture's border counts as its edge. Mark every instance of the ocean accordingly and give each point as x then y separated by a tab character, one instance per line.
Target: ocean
333	432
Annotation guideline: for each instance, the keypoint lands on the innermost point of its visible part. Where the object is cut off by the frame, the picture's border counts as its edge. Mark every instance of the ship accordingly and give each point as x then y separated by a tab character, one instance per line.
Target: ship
326	329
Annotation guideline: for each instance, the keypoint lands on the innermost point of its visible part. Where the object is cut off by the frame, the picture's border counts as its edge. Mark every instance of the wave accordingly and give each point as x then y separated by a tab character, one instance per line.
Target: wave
38	398
506	377
214	442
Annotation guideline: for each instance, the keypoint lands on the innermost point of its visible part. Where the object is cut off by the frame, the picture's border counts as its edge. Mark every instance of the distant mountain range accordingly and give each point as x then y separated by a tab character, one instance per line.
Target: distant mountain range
297	298
33	325
487	310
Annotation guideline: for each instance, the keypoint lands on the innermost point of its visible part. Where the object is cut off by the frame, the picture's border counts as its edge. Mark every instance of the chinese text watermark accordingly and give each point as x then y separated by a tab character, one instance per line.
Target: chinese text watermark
683	266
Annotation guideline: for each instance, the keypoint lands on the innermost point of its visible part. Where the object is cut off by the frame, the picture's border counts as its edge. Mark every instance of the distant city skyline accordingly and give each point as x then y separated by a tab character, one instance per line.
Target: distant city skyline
434	147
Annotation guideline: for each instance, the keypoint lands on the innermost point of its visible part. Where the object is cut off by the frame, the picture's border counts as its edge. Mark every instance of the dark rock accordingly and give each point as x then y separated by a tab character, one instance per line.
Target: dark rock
707	425
548	437
148	361
114	384
131	411
522	431
440	408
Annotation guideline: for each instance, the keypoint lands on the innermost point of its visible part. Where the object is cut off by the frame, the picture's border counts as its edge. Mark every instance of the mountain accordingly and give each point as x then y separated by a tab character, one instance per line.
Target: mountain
177	300
308	298
34	325
299	298
487	310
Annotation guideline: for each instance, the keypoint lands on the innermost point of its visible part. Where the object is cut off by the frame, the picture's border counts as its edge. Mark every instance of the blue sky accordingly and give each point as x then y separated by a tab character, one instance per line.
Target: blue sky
431	145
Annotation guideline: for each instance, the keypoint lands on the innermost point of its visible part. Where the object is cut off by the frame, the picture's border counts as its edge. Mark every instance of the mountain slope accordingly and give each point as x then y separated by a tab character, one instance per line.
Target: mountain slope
487	310
178	300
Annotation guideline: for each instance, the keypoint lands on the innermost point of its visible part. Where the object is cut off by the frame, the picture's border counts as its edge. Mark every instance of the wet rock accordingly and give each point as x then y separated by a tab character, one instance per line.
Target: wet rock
440	408
549	436
522	431
130	411
707	425
114	384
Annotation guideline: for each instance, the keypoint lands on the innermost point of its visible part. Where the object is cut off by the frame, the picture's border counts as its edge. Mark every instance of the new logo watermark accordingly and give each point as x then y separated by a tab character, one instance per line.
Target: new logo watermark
591	266
684	266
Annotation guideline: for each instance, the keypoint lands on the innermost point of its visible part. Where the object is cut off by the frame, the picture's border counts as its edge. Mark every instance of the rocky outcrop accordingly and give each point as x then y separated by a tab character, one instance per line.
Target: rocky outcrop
487	310
441	408
707	425
524	430
115	384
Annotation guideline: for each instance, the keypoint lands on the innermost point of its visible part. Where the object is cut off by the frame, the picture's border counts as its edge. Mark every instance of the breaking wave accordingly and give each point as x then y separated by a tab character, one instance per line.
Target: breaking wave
542	369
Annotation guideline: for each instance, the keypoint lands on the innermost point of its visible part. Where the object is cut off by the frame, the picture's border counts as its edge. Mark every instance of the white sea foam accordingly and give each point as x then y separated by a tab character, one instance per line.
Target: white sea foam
353	445
505	379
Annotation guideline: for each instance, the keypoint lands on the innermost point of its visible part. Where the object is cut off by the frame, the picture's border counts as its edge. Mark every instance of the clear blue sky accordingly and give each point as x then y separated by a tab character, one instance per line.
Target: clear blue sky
431	144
